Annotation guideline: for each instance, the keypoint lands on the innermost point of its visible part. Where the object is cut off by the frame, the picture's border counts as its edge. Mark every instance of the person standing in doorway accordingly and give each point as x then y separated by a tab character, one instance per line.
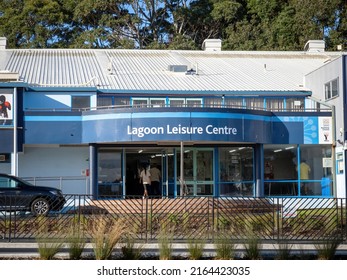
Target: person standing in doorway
155	180
145	179
305	171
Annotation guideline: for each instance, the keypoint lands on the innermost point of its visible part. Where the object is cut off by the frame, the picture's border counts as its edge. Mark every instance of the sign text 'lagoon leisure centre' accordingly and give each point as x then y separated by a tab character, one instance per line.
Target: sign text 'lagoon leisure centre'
180	130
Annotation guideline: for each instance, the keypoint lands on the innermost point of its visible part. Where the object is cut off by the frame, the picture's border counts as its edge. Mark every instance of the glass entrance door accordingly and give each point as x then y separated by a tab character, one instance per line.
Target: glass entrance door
198	171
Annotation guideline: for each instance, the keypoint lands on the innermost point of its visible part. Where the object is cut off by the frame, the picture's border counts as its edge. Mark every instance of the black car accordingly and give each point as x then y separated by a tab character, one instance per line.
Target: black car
19	195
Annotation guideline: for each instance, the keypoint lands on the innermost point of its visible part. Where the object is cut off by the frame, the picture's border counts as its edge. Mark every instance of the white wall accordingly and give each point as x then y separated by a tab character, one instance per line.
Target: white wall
56	161
340	179
316	81
5	168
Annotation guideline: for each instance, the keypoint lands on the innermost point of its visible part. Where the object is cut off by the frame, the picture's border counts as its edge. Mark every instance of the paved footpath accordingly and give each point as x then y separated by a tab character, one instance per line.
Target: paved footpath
23	250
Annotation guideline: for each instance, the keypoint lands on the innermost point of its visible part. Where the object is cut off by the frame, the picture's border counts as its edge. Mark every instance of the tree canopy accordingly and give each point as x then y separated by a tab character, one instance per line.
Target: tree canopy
173	24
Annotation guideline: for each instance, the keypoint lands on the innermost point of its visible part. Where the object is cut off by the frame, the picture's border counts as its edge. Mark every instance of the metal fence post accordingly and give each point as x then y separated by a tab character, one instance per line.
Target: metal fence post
278	213
146	218
213	219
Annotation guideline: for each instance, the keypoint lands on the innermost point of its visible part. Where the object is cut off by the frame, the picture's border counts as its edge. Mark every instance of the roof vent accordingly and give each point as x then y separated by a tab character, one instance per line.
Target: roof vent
212	45
7	76
315	46
177	68
3	42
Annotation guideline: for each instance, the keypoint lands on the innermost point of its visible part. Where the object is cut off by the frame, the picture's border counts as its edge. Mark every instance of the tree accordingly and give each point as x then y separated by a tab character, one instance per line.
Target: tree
285	24
173	24
32	23
338	35
99	24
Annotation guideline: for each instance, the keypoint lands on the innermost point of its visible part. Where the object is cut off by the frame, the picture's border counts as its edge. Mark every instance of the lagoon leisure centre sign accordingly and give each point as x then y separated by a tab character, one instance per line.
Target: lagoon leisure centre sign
177	127
180	130
258	127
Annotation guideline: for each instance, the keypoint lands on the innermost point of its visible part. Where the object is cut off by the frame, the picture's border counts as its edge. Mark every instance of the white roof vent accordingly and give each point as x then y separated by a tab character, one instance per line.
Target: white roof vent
315	46
177	68
3	42
7	76
212	45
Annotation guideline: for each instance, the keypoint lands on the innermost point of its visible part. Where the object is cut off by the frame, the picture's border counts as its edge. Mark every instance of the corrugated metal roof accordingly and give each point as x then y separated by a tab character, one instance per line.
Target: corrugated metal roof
147	70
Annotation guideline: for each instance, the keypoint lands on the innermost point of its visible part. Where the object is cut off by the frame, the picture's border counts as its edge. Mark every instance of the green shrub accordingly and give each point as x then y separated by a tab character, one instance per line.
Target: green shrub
76	243
326	249
196	248
48	247
105	237
165	240
129	251
225	248
252	247
284	250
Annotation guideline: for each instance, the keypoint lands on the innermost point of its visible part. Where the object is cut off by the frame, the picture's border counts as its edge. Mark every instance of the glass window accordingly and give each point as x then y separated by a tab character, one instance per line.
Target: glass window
109	172
121	101
158	102
197	172
334	87
254	103
327	91
140	102
177	102
80	102
194	102
213	102
315	170
280	174
280	162
275	104
108	101
104	101
185	102
339	163
234	102
331	89
7	183
236	171
170	156
295	104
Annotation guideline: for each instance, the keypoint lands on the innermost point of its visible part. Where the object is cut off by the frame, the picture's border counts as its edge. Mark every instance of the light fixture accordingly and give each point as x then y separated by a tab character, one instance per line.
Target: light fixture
279	150
289	148
140	151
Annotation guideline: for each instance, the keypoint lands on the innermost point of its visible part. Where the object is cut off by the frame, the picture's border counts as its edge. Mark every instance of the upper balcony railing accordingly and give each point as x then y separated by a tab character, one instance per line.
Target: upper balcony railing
311	107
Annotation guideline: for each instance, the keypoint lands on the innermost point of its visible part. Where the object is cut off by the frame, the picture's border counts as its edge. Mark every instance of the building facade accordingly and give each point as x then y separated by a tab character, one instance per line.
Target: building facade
217	123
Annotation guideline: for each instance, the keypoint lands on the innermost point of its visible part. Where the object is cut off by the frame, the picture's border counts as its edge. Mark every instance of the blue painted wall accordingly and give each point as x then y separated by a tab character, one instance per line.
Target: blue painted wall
172	125
53	128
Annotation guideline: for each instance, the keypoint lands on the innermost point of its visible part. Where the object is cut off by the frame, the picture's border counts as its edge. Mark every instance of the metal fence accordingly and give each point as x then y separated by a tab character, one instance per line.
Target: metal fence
187	218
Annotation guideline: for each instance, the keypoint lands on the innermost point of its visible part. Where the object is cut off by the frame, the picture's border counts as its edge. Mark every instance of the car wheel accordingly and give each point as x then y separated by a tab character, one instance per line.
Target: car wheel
40	207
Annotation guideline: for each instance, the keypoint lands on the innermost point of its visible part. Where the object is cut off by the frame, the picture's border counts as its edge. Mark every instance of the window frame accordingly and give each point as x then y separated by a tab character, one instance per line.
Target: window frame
73	99
329	91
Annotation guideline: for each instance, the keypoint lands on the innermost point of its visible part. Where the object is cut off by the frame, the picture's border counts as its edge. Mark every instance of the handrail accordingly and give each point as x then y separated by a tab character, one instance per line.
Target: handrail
60	179
184	106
